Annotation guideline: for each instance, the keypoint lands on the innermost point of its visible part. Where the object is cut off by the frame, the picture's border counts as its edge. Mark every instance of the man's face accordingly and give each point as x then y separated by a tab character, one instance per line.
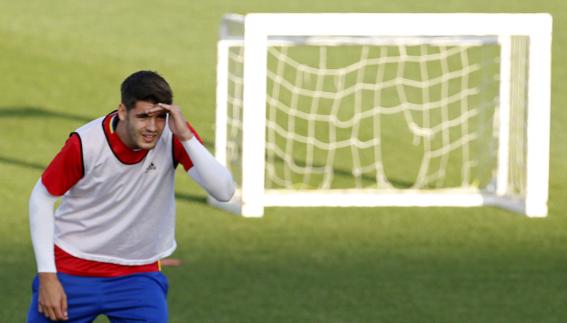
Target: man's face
142	127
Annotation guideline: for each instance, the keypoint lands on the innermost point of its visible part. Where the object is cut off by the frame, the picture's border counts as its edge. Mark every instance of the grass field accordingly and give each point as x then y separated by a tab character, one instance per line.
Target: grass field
61	64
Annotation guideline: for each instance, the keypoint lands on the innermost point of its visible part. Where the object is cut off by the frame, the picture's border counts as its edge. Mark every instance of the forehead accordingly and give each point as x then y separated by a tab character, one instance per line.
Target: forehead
142	106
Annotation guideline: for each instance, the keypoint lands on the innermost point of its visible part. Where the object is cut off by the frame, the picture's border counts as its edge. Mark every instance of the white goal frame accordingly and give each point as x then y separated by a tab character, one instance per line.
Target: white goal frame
252	196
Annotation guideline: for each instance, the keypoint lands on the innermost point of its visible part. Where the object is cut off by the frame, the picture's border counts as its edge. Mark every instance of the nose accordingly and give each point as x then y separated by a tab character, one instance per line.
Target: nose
151	126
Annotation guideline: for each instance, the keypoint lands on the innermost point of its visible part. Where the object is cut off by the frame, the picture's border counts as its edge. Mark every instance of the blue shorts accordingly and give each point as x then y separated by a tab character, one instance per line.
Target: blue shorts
133	298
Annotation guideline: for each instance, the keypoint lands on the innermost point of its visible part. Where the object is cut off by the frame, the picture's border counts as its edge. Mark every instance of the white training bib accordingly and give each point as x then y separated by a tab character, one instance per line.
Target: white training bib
119	213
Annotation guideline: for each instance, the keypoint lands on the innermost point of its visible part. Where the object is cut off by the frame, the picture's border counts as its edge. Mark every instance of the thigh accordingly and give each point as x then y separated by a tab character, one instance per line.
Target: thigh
81	300
137	298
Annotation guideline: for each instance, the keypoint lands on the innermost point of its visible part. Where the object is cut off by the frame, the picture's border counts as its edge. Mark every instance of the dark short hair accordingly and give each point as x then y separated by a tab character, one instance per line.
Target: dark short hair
145	86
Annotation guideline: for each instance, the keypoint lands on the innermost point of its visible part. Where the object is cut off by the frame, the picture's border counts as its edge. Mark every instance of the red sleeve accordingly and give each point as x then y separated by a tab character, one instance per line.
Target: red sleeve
180	156
66	168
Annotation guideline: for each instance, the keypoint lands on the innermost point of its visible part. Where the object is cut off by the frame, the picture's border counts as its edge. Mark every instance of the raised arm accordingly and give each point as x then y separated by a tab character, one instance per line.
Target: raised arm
208	172
205	170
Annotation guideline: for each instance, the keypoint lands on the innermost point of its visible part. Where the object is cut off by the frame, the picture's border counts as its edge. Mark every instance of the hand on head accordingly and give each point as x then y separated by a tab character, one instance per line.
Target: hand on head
177	123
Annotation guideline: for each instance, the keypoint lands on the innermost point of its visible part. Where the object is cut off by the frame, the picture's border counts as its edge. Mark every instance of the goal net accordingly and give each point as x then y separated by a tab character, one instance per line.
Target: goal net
385	110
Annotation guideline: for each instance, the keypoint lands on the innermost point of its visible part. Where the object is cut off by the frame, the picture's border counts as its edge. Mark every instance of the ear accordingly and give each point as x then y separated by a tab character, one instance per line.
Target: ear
122	112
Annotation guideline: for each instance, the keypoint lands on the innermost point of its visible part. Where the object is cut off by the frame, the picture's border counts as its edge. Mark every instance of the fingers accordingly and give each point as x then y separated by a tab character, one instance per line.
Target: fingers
54	308
48	312
177	123
52	299
173	110
55	312
59	313
155	110
165	106
64	308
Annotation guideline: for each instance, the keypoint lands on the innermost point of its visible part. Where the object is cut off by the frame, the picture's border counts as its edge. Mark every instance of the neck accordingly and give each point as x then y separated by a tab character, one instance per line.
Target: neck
120	129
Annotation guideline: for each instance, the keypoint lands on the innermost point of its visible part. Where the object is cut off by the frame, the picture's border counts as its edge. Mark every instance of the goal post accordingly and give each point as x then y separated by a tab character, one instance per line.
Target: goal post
355	109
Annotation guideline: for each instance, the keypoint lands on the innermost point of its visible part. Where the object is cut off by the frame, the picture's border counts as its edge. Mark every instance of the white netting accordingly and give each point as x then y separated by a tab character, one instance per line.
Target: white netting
374	116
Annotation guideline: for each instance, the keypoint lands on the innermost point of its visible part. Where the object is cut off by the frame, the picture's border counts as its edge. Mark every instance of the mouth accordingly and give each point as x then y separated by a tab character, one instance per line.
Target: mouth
148	137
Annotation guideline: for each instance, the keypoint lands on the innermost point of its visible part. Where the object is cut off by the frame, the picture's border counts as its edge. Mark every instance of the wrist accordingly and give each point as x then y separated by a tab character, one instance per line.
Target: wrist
186	137
44	276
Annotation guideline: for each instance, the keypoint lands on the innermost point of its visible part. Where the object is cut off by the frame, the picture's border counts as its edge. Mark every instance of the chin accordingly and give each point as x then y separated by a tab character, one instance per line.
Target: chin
147	145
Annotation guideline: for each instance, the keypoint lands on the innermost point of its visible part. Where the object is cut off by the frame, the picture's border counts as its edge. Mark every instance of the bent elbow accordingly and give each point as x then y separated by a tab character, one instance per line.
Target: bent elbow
226	193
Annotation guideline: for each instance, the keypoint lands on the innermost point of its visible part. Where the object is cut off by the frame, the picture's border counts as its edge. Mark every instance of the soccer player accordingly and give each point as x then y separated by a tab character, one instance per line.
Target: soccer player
99	251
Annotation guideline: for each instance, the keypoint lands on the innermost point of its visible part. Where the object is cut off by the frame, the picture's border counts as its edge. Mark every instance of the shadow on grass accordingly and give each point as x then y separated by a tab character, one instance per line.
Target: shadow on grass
21	163
36	166
35	112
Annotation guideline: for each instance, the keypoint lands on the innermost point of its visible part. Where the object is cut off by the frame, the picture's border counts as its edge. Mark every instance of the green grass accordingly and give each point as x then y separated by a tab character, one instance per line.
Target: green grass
61	64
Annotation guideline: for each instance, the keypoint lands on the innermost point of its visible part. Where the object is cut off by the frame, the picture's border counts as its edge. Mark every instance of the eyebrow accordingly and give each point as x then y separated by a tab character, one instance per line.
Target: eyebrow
145	114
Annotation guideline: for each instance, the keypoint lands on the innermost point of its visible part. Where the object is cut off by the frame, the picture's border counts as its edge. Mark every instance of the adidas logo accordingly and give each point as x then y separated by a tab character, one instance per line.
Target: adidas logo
151	167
